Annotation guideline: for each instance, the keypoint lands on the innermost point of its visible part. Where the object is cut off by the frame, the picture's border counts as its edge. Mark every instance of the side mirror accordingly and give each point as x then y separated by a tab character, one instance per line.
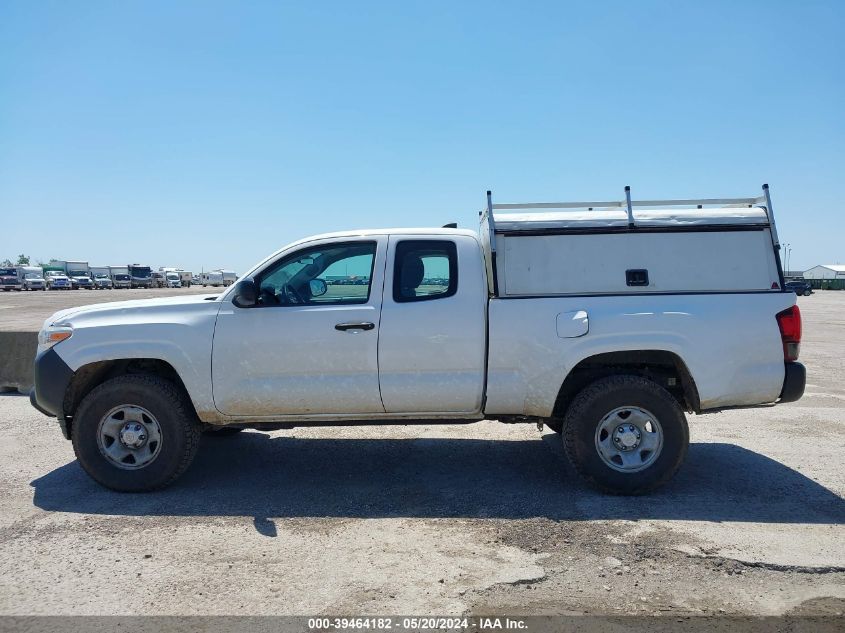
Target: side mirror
318	287
245	295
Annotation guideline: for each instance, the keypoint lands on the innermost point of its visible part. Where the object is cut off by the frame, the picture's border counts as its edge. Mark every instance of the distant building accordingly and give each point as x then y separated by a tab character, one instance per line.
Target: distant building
827	276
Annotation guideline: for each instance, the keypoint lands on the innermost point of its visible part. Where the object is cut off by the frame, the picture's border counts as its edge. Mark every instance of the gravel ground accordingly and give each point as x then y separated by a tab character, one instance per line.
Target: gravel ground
440	519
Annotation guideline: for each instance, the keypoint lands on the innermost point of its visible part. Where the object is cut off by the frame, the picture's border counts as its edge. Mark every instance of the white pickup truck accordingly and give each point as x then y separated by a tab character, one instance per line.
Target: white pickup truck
604	320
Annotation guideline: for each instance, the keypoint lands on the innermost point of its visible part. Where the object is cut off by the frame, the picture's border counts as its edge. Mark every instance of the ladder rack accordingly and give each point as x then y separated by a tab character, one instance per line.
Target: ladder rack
764	200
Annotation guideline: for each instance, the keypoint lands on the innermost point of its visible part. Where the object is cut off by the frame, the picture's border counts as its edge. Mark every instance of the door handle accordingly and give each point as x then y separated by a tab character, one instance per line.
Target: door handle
361	325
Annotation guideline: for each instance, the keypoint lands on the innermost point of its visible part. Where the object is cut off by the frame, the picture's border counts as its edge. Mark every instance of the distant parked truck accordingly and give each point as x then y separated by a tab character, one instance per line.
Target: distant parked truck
76	271
185	276
32	278
9	279
173	280
102	277
120	276
140	276
159	280
57	280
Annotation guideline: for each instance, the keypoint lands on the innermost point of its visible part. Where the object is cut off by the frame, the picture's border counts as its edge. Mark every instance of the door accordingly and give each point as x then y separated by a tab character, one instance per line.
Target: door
310	346
433	326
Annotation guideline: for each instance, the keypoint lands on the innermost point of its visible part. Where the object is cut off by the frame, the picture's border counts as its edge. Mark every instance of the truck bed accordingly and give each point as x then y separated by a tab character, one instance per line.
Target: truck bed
730	344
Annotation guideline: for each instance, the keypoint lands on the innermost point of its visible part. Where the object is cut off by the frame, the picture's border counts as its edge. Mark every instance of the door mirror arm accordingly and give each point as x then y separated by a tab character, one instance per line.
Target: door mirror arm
245	295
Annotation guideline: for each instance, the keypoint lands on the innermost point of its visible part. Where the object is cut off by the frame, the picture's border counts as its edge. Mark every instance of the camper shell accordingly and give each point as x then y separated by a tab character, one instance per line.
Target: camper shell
625	247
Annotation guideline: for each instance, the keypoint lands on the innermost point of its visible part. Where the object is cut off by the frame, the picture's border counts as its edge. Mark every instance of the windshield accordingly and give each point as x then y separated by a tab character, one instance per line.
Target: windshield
142	273
8	271
172	276
101	276
78	273
122	277
32	276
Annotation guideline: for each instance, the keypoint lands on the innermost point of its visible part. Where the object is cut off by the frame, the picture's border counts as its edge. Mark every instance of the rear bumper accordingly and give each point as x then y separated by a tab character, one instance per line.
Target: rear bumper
793	382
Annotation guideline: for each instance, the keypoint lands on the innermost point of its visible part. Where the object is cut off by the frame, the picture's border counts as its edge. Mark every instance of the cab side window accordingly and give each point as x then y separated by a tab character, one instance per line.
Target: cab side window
424	270
335	274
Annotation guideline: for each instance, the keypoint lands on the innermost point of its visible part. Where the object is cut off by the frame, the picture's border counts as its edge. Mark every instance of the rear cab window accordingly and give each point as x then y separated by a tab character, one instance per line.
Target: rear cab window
424	270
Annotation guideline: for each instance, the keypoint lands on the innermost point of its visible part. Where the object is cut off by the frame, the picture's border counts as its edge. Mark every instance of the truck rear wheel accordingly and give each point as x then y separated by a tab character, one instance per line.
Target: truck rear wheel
625	435
135	433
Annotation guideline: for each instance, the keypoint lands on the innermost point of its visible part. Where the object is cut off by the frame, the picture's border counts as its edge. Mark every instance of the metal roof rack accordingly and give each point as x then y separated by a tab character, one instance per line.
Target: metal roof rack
764	200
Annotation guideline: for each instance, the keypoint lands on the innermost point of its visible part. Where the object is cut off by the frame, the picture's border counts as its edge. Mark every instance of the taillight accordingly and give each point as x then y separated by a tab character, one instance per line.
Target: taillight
789	322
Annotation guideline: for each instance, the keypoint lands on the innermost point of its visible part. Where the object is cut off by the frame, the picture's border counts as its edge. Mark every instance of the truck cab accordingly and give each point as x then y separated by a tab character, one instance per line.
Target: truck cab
408	331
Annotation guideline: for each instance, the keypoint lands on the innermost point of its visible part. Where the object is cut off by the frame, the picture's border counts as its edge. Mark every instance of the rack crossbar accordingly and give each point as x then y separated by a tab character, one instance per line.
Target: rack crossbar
621	204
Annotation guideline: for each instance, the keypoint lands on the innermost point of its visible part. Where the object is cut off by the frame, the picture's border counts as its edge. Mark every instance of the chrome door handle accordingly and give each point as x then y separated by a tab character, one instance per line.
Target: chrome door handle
361	325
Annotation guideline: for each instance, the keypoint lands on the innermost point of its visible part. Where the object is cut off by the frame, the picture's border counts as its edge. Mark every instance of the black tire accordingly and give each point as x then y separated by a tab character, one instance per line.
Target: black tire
221	431
807	293
180	432
600	398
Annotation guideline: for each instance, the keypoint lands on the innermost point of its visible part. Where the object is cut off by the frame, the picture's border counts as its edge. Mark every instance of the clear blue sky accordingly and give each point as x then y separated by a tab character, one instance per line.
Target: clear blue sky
212	133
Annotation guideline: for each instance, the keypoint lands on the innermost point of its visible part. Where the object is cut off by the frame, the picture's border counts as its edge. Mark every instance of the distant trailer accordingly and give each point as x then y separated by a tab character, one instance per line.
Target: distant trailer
212	278
229	277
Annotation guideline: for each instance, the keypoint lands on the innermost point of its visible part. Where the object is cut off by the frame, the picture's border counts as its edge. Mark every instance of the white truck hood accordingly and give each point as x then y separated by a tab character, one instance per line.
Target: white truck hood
115	307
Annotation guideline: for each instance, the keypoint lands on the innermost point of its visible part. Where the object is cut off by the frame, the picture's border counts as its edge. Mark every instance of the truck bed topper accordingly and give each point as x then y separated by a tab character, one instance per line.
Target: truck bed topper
548	248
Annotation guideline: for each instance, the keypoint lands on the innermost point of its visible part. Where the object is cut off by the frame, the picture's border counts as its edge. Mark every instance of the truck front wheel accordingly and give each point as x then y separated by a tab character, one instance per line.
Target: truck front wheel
135	433
625	435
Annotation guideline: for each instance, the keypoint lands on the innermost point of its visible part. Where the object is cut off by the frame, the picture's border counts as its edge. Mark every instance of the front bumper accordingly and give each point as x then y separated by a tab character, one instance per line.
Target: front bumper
51	379
794	382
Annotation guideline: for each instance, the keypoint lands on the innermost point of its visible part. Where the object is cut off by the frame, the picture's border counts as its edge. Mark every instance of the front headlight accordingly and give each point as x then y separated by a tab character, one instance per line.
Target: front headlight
51	335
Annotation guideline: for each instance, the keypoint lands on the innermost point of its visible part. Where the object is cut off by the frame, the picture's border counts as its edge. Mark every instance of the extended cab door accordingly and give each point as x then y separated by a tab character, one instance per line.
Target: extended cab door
432	340
310	346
